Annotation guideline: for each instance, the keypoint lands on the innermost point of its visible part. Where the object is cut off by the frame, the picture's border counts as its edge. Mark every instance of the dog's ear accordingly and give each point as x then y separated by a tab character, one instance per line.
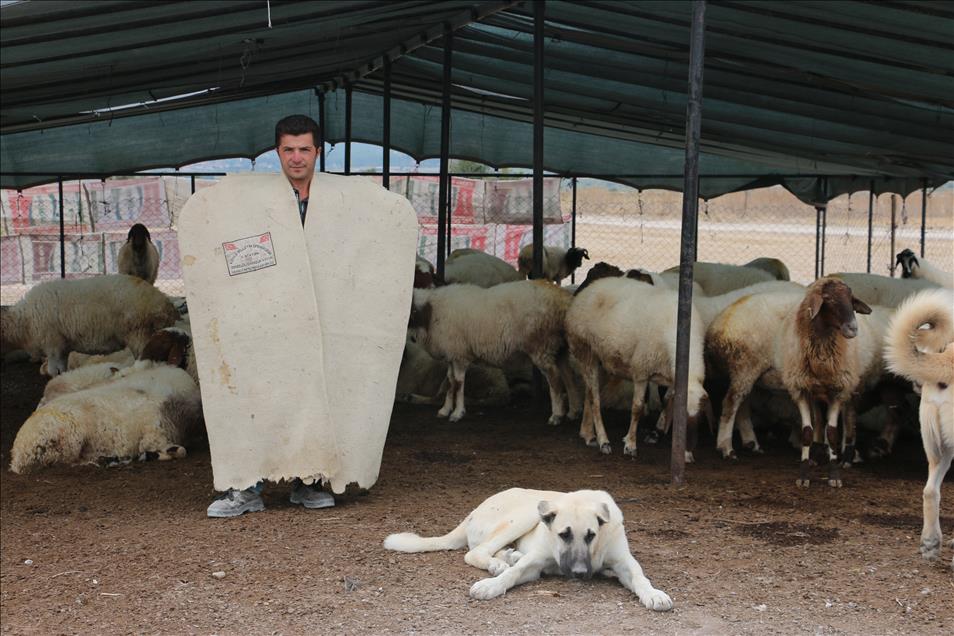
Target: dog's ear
603	515
546	513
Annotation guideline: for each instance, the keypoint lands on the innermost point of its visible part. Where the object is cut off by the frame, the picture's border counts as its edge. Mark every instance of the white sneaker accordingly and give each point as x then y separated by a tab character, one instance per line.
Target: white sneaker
233	503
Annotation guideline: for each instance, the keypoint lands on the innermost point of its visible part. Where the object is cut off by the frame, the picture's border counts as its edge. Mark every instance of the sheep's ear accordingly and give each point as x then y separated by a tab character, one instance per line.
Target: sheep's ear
814	306
546	513
638	274
586	254
859	306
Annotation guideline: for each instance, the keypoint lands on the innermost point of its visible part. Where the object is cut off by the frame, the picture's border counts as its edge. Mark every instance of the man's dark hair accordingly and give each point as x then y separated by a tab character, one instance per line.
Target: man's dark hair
297	125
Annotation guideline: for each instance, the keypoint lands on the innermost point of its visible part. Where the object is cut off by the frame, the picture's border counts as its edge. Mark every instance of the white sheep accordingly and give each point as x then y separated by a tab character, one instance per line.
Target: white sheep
558	263
913	266
824	354
81	378
138	256
92	315
462	324
773	266
473	267
628	328
719	278
76	360
145	410
424	274
920	347
885	291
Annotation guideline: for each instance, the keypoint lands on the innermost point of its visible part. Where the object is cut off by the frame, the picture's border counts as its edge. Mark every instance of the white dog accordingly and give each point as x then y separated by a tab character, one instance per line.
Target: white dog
920	347
519	534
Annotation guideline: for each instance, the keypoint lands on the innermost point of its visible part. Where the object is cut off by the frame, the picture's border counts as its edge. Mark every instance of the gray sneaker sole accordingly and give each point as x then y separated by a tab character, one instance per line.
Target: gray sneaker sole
311	505
252	506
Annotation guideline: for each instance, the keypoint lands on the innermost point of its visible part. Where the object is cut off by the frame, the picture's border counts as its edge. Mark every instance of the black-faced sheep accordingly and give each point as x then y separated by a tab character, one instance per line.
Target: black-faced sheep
913	266
557	262
138	256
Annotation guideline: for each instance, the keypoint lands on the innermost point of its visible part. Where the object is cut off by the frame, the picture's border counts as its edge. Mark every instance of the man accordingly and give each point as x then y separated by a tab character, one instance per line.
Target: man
296	142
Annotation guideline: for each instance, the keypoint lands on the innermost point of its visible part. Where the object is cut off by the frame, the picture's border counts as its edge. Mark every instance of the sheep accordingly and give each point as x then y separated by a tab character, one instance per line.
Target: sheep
478	268
875	289
424	275
920	347
823	354
138	256
627	327
914	267
80	378
76	360
144	411
461	324
173	345
91	315
557	262
773	266
718	278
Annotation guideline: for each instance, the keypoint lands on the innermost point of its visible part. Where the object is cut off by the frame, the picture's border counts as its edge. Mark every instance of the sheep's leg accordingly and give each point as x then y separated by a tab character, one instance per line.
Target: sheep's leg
551	371
805	411
574	400
831	443
938	465
459	368
629	441
592	378
587	431
450	395
653	403
849	418
746	429
663	422
893	398
737	395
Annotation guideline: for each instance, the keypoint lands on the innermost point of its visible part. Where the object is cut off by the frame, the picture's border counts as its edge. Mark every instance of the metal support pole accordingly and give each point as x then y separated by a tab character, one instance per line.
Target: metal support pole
871	197
386	158
62	232
321	131
923	215
539	8
347	158
573	226
690	212
192	183
894	229
817	242
824	233
443	185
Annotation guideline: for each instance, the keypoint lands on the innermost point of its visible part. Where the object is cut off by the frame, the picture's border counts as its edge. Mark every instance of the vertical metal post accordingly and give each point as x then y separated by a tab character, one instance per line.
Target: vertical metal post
894	228
573	226
817	241
192	183
347	158
386	159
690	210
539	8
923	215
824	233
443	180
62	232
871	197
321	131
695	242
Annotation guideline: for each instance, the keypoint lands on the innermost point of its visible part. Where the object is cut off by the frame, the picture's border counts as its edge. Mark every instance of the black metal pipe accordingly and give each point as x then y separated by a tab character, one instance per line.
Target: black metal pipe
347	157
62	233
321	131
573	226
824	236
539	9
690	212
443	185
192	183
871	197
894	229
386	156
817	241
923	215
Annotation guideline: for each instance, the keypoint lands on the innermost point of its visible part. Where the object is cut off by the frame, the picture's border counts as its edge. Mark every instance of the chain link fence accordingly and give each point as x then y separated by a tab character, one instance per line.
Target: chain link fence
620	225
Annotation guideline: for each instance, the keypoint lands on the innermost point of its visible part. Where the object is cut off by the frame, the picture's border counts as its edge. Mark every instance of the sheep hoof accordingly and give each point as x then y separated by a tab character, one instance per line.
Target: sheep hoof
555	420
629	451
802	483
847	456
754	448
879	449
835	483
651	438
148	456
729	454
573	415
443	413
591	442
173	452
803	471
606	449
931	549
456	417
690	458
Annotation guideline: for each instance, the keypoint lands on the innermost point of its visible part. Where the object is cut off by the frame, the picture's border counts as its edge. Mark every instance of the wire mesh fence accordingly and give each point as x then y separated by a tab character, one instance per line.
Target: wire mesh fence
620	225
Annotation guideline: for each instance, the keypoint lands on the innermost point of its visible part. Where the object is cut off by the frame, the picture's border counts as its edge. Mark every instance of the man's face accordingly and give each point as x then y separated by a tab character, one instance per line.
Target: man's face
297	154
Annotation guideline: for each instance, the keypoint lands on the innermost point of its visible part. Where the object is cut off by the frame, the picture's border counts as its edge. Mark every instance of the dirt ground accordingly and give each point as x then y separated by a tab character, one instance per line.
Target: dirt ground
739	548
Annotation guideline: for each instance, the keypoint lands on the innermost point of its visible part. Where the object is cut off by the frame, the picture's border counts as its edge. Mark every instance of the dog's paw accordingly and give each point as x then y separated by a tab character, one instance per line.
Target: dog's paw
486	589
656	600
496	566
511	556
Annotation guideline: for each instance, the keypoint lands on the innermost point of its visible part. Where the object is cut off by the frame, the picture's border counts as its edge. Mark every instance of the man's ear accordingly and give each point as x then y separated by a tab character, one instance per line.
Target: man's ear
546	513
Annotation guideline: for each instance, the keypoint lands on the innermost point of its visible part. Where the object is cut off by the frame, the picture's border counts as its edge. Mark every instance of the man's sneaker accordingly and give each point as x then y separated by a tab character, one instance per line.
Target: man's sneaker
310	496
233	503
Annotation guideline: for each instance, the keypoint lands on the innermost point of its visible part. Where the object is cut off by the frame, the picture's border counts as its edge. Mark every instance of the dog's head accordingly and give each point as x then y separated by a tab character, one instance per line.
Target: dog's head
576	531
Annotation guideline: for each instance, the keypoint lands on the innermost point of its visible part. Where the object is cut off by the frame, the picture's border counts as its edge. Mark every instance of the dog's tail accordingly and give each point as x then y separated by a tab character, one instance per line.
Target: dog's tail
917	343
410	542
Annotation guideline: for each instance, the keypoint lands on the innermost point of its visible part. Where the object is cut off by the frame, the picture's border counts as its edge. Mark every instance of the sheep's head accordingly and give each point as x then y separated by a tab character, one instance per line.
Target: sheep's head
640	275
598	271
830	306
574	257
138	235
908	261
170	346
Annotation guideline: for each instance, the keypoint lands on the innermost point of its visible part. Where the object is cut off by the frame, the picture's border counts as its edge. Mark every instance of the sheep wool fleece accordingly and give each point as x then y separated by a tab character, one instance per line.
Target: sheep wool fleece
298	334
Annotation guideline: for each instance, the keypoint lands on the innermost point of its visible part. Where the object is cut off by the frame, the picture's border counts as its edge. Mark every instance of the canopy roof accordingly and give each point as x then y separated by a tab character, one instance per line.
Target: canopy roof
851	91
